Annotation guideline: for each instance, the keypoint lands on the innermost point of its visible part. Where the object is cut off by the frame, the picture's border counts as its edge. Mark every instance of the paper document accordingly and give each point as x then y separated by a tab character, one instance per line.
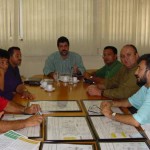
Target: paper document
34	131
124	146
51	146
68	128
48	106
12	140
146	129
111	129
93	107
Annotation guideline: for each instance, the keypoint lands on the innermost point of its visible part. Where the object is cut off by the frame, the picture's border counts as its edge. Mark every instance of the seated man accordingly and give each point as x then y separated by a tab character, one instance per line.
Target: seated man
12	80
140	100
123	84
111	67
64	61
12	107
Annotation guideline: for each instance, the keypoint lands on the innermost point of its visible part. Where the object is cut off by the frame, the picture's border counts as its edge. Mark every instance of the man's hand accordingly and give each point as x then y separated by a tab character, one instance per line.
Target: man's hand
1	114
75	69
106	109
33	109
33	120
27	95
106	104
93	91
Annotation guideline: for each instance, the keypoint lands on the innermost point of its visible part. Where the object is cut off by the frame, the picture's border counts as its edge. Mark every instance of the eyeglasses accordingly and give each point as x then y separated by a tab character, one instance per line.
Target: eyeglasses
94	109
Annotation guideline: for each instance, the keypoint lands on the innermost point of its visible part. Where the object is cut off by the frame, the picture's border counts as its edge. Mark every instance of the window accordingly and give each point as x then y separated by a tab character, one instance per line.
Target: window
90	25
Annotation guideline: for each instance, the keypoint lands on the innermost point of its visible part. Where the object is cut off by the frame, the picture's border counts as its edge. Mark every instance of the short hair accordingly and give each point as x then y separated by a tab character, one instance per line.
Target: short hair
114	49
146	58
62	39
11	50
131	45
4	54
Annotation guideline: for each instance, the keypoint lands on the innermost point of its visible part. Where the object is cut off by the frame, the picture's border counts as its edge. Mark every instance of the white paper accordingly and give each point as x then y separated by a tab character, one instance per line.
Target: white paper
92	107
29	131
47	106
68	128
110	129
146	129
50	146
12	140
124	146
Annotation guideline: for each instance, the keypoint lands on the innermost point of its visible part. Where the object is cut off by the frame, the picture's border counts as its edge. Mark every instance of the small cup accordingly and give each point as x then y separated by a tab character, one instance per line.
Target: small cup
49	87
65	79
74	79
44	84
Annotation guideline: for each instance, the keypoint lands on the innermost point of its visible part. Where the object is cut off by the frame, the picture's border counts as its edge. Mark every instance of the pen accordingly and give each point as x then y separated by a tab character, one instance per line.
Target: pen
39	113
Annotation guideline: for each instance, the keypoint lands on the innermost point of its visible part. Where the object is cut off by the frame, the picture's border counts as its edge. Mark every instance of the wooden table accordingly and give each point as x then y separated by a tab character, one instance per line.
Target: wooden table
63	91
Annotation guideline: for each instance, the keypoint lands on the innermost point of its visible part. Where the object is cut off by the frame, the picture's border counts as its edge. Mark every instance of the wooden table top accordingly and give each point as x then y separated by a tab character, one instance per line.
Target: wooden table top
63	91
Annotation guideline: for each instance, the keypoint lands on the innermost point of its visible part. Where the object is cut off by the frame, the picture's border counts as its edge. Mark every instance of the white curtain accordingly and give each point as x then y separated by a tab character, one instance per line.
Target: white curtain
44	21
90	25
6	23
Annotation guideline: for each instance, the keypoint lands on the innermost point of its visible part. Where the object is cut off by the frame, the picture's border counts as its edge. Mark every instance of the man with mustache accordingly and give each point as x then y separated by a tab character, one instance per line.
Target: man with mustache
63	61
140	100
12	79
123	83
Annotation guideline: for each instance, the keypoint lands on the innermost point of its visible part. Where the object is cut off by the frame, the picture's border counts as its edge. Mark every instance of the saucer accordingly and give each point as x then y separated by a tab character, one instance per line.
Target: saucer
42	86
75	81
50	90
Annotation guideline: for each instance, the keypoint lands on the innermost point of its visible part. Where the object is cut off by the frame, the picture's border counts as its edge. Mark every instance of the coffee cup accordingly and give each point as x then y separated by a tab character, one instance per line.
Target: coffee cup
65	79
44	84
74	79
49	87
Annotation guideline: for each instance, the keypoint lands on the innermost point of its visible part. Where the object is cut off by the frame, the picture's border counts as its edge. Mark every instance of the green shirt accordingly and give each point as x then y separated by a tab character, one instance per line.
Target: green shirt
108	71
55	63
122	85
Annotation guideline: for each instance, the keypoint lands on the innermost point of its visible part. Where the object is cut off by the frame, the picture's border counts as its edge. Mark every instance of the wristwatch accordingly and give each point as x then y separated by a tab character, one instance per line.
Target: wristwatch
113	115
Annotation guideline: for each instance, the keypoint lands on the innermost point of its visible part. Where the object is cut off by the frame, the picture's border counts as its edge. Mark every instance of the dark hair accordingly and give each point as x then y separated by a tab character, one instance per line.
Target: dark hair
146	58
11	50
114	49
131	45
4	54
62	39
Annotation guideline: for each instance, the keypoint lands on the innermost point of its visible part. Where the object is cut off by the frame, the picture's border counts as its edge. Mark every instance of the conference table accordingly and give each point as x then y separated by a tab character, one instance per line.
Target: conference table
63	91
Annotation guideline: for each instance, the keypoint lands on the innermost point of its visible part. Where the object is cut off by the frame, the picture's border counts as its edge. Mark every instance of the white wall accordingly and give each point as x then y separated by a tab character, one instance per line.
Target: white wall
34	65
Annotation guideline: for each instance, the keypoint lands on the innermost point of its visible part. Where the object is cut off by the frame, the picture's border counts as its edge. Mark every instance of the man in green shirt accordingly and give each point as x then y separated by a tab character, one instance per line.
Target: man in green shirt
111	67
123	84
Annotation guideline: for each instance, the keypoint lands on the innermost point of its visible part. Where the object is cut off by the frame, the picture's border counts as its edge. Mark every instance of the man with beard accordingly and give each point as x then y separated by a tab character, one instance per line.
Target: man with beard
64	61
12	79
140	100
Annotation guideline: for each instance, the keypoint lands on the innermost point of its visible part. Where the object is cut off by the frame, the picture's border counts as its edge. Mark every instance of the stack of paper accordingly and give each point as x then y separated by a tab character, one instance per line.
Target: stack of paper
12	140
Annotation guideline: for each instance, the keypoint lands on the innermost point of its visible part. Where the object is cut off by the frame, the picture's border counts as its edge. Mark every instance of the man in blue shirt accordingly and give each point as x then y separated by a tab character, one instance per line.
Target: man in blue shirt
10	106
140	100
12	79
63	61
